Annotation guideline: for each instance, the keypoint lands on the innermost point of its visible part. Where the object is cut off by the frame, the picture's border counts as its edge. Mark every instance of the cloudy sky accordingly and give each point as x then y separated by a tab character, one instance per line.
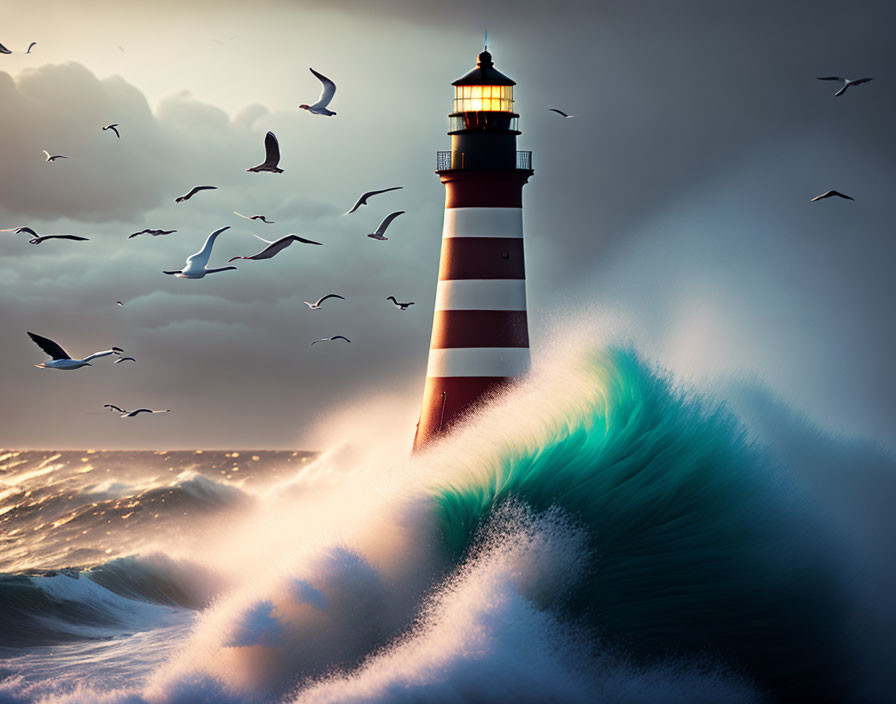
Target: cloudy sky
671	213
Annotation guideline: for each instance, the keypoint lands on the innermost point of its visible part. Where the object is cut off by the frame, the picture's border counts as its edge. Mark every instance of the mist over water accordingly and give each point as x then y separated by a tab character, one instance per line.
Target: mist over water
599	534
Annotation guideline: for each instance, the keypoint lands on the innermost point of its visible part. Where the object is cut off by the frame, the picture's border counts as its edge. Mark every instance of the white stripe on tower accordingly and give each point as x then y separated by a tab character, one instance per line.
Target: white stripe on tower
478	362
481	294
483	222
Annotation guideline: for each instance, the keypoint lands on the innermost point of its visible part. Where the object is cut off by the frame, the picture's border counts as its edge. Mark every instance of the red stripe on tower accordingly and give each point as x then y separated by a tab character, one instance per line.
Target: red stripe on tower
480	337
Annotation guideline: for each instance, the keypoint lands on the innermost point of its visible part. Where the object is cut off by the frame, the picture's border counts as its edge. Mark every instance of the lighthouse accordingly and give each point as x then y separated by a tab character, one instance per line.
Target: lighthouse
480	336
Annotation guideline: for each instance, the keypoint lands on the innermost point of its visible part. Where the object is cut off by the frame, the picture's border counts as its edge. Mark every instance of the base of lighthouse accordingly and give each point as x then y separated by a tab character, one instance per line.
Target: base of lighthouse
447	400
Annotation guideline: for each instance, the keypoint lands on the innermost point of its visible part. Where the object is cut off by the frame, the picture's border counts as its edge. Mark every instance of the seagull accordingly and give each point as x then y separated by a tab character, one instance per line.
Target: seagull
255	217
275	247
119	303
38	240
4	50
154	233
131	414
381	229
326	95
61	360
30	47
271	156
112	127
561	113
331	339
193	192
400	306
363	199
831	194
54	157
847	82
196	263
316	304
124	359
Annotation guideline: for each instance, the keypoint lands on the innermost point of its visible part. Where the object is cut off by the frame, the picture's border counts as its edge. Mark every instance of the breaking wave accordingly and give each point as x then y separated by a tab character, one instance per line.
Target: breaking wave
700	546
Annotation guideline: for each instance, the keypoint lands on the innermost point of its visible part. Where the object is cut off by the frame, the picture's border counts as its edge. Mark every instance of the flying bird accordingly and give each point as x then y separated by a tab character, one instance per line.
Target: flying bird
119	303
316	304
276	247
400	306
131	414
193	192
44	238
381	229
326	95
197	263
847	82
60	358
271	156
53	157
831	194
154	233
124	359
37	239
561	113
363	199
331	339
4	50
30	47
112	127
255	217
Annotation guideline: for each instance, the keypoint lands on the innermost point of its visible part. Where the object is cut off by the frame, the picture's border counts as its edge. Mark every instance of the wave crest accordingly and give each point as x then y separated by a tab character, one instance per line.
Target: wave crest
700	545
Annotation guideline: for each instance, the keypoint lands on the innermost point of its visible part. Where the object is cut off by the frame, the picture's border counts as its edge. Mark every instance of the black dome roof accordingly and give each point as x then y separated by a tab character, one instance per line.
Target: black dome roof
485	74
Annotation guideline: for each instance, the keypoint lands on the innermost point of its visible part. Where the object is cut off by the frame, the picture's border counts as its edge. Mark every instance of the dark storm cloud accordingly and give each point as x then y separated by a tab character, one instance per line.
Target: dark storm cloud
61	108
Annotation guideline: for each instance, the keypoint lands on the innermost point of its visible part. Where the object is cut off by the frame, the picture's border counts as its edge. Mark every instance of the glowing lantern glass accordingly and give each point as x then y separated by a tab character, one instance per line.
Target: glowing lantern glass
477	98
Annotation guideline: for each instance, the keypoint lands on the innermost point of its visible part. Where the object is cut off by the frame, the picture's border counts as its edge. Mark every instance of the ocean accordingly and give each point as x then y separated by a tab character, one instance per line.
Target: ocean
603	533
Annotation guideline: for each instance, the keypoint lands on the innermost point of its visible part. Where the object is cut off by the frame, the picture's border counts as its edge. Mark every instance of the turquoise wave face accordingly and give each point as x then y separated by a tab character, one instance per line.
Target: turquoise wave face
699	547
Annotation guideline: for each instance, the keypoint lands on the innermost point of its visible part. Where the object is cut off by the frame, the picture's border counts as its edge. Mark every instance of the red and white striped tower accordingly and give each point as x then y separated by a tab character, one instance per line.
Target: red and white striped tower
480	337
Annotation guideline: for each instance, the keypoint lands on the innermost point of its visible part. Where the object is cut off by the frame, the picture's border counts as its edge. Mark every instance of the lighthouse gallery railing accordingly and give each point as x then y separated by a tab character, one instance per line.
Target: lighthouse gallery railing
446	161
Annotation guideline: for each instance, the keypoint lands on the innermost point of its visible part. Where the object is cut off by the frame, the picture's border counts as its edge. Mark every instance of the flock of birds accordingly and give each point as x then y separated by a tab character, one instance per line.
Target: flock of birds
197	264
